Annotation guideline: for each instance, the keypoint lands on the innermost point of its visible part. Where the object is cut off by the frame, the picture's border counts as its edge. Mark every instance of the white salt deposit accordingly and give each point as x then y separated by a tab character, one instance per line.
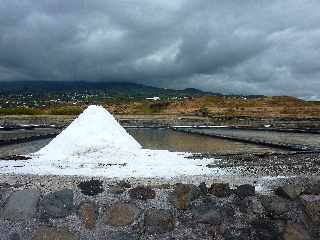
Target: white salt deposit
93	131
95	144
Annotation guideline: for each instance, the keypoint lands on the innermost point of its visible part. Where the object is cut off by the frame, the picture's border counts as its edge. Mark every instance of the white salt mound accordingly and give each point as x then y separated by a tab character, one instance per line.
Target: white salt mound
93	131
95	144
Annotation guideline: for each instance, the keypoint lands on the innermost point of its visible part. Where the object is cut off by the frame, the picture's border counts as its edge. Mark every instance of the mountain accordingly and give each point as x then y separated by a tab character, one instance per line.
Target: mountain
107	89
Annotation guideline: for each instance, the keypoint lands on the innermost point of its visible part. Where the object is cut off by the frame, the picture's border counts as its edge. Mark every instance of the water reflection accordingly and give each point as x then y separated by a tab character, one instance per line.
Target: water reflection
23	133
178	141
23	148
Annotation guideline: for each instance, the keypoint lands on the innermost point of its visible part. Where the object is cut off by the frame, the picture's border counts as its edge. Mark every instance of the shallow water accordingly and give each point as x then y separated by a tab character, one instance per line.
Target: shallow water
184	142
312	140
159	139
23	148
23	133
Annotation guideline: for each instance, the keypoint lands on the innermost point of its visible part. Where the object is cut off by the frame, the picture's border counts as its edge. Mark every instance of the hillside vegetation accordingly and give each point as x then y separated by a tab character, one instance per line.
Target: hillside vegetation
205	106
216	106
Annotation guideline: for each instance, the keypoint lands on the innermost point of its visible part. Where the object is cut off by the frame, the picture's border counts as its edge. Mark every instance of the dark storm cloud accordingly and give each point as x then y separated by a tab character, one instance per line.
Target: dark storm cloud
247	46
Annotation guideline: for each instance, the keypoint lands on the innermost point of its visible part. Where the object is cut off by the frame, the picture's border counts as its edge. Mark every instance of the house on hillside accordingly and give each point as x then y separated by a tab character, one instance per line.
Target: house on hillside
153	98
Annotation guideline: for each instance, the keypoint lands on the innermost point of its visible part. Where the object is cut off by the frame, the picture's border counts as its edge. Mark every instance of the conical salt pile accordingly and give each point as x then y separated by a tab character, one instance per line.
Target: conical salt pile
94	130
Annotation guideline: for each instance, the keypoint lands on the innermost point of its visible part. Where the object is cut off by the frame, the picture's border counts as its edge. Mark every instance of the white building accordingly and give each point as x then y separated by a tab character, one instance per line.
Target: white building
153	98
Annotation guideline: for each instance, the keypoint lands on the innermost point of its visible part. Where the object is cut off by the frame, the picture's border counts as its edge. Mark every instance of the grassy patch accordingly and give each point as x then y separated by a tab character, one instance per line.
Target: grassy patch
20	111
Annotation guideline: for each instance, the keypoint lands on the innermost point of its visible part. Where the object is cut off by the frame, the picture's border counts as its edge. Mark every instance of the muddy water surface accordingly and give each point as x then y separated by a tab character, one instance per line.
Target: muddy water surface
165	139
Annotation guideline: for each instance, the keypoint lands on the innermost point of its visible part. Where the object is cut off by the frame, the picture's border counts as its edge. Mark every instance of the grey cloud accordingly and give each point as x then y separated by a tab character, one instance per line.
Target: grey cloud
256	47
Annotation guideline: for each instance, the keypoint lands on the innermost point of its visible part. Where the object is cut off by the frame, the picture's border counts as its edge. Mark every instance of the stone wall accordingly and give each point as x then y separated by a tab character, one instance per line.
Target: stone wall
182	211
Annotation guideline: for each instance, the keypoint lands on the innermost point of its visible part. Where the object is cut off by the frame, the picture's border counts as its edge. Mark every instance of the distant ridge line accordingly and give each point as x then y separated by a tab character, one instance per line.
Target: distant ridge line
39	87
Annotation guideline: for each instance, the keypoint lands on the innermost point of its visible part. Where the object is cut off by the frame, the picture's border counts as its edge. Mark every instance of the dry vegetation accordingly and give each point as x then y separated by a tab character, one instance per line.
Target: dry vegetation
206	106
215	106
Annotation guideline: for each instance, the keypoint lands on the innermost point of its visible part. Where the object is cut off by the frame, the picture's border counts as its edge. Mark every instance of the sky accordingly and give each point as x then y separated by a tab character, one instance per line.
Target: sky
269	47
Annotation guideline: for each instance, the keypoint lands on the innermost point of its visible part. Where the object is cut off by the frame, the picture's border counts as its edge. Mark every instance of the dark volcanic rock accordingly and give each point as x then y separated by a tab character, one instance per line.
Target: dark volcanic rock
116	189
124	184
4	186
203	188
184	194
142	193
14	236
88	214
91	187
49	233
274	205
237	234
209	211
58	204
124	236
21	205
158	221
312	189
2	195
251	205
121	214
245	190
220	189
295	232
210	216
311	204
263	229
120	187
290	191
